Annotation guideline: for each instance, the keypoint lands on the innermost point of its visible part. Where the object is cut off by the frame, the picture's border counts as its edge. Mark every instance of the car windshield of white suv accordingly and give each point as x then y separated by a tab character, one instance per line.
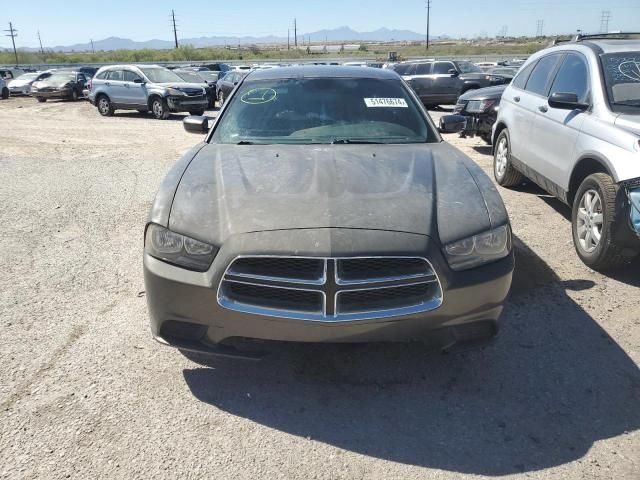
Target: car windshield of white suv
322	110
161	75
622	78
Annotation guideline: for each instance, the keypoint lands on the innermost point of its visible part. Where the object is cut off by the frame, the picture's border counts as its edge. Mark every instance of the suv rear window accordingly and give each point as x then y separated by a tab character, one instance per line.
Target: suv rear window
402	68
539	79
441	68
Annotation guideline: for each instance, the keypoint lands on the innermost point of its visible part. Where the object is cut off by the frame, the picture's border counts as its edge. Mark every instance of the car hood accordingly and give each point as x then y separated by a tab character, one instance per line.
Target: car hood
428	189
18	82
48	83
180	85
488	93
629	122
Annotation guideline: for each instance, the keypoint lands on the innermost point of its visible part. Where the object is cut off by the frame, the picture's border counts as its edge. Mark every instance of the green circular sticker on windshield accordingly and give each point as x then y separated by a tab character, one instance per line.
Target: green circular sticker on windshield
258	96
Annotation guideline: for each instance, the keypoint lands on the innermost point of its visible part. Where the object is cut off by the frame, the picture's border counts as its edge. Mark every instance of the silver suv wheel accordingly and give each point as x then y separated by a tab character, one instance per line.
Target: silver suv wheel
589	221
501	157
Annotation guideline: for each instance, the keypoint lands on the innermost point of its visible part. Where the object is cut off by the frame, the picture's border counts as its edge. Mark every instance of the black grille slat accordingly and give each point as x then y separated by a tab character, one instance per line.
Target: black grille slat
279	267
330	289
357	269
275	298
384	298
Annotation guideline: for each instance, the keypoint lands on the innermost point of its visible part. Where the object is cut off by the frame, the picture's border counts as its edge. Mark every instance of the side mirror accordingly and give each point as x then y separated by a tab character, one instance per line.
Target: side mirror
137	80
452	123
566	101
196	124
235	83
453	72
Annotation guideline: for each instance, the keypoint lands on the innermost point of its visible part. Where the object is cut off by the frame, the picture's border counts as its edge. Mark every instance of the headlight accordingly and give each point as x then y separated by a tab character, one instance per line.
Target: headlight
171	247
480	249
175	91
486	105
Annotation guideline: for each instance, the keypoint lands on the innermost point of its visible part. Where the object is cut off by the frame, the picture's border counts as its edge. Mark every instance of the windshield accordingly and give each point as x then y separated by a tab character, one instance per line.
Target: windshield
190	77
28	76
468	67
210	76
160	75
323	110
622	78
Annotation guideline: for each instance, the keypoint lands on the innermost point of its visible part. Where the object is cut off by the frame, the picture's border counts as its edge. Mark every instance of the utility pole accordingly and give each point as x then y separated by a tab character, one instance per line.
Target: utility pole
93	50
13	33
40	40
288	39
175	32
295	32
428	21
539	27
604	21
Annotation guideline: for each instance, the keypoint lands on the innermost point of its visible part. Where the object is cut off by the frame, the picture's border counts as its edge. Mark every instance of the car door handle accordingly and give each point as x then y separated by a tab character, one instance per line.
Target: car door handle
107	84
543	108
516	99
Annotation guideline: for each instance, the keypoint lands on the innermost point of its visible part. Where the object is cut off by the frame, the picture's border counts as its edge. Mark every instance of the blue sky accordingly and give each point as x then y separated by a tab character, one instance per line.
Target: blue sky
70	21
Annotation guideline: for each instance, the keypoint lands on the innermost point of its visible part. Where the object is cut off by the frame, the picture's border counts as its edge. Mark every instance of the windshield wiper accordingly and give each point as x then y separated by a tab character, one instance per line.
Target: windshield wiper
627	104
350	141
245	142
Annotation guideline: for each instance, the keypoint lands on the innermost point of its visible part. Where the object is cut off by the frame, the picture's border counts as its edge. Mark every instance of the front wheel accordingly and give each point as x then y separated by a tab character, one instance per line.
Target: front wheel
5	93
221	98
41	99
74	95
160	109
593	221
199	112
503	171
104	106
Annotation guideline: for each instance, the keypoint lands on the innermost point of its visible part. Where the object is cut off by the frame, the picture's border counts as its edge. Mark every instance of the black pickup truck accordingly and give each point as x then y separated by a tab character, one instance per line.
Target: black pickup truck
442	82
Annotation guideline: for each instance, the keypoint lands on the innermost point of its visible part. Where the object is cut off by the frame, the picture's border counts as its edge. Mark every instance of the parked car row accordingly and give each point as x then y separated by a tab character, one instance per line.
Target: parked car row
570	123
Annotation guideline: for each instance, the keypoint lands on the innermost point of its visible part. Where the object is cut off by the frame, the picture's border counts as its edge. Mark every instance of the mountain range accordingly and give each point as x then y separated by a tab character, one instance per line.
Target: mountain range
340	34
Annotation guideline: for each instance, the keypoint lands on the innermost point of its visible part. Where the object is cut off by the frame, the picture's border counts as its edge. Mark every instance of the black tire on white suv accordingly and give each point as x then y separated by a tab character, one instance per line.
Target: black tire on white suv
593	223
503	171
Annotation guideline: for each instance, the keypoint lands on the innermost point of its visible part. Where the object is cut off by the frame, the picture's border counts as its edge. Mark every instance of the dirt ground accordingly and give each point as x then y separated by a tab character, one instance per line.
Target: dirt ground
86	393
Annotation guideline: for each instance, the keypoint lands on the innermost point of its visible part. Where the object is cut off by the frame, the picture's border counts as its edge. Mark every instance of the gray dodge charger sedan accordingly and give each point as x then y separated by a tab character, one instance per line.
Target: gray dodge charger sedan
323	206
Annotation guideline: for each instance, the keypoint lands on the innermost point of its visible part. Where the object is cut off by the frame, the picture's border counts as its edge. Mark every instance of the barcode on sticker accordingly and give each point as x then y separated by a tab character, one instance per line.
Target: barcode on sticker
385	102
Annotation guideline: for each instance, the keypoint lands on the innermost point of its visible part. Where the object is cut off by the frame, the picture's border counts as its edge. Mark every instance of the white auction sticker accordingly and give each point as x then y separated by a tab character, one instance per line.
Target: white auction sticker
386	102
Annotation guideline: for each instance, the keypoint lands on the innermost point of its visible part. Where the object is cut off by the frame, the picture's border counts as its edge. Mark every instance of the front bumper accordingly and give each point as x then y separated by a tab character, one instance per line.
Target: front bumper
25	90
186	104
479	123
177	296
61	93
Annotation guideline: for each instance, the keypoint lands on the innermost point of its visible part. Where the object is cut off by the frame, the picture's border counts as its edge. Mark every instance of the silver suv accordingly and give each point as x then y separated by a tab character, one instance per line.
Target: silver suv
145	88
570	122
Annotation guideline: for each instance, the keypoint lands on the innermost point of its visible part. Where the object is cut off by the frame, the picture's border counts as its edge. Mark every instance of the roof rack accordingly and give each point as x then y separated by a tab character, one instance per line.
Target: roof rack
609	36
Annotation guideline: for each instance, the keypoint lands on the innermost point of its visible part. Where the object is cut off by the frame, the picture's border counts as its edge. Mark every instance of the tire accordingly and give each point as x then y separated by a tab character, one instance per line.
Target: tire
104	105
74	95
503	171
593	223
197	112
5	93
160	109
41	99
220	98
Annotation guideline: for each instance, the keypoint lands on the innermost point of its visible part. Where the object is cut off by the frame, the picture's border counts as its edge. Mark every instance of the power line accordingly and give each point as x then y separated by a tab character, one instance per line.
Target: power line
40	40
604	21
13	33
175	32
539	27
428	21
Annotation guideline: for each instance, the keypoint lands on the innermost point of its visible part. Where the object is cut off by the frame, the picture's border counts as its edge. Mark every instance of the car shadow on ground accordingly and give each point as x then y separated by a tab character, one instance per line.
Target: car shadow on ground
553	383
176	117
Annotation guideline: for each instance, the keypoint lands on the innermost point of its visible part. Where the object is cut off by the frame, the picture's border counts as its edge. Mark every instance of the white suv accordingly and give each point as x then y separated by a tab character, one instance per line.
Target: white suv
570	122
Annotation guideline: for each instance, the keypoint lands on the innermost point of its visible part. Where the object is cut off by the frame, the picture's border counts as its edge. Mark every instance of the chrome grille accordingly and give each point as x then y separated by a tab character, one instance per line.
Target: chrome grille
330	289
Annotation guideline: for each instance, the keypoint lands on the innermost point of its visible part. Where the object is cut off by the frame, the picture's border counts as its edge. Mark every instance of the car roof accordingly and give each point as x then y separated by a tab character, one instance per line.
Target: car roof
614	46
322	71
